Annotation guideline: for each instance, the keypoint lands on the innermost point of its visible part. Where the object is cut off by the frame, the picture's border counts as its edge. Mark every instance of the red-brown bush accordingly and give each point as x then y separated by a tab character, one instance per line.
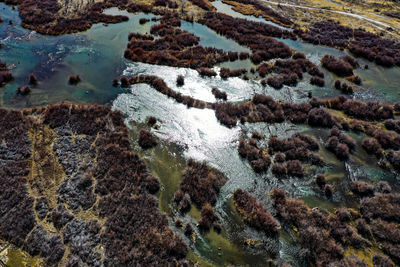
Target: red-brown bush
317	81
32	79
393	125
202	183
180	81
5	75
320	117
147	139
44	17
371	110
361	43
254	214
207	72
338	66
207	217
255	35
362	188
121	183
175	47
219	94
258	157
294	168
74	79
372	146
24	90
320	180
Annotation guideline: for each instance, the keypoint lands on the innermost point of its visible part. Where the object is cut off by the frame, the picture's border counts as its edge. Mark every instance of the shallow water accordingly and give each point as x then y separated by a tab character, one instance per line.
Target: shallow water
97	55
209	38
227	9
377	82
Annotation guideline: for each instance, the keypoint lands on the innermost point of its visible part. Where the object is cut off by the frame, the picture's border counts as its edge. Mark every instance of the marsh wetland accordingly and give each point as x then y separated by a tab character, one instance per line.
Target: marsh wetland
216	132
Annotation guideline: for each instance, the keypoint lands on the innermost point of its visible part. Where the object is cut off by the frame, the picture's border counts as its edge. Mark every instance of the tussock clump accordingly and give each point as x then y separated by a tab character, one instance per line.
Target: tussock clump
320	180
322	236
207	217
257	135
74	79
117	178
294	168
5	75
321	117
258	157
372	146
383	187
394	158
299	55
115	83
383	206
393	125
387	139
328	190
351	60
280	157
317	81
183	201
290	71
354	79
279	169
371	110
275	82
226	73
174	47
362	188
32	79
344	87
24	90
293	150
255	35
338	66
180	81
188	230
364	44
264	69
207	72
254	214
44	16
147	139
143	21
340	144
219	94
151	121
339	149
202	183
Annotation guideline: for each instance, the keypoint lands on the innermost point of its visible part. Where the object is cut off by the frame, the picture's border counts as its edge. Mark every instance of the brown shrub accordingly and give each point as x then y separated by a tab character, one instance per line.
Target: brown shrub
253	213
202	183
147	139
